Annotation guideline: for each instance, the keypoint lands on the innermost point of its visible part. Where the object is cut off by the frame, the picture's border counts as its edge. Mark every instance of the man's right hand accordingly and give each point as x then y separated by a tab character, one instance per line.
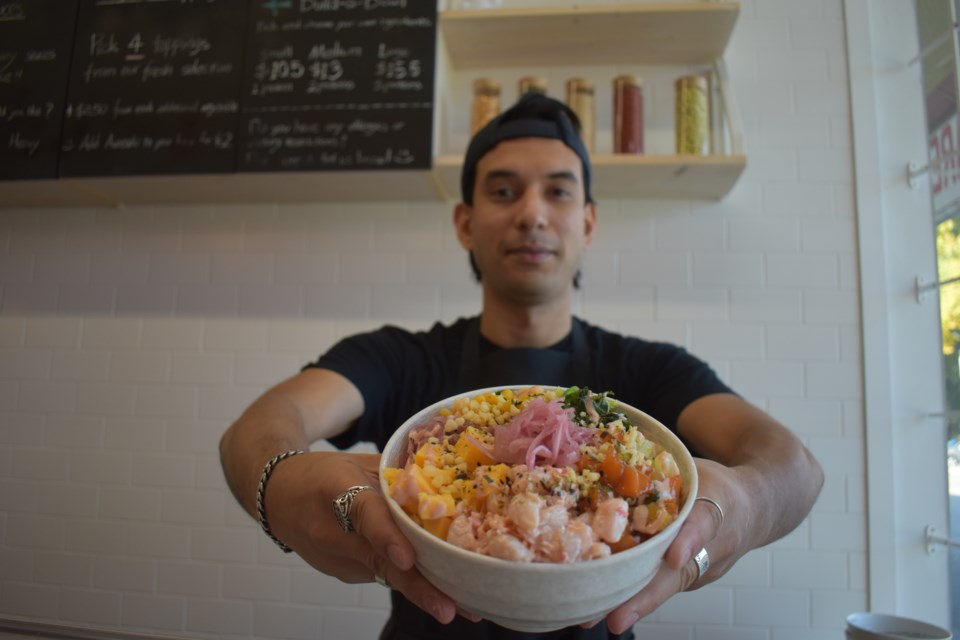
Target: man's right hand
299	507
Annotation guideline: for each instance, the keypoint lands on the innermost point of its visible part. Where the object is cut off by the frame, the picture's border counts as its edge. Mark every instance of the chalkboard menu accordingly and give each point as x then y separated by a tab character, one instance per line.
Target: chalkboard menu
338	84
36	37
151	87
154	87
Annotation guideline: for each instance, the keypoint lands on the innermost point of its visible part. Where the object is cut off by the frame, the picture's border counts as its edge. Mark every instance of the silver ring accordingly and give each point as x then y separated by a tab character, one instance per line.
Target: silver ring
381	580
342	504
703	562
715	504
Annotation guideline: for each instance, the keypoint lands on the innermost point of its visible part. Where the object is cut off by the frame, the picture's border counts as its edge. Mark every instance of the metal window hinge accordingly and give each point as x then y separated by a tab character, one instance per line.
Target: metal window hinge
948	415
934	540
915	169
924	288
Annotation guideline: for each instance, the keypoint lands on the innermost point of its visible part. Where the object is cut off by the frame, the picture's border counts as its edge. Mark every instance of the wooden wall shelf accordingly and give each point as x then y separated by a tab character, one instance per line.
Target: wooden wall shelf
622	176
654	33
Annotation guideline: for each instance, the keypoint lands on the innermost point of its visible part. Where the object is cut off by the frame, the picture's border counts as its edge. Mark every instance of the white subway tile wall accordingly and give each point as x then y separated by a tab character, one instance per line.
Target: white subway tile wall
131	338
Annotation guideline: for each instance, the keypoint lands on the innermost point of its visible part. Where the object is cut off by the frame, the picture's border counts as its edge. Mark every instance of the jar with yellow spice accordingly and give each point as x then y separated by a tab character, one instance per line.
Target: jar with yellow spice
692	115
486	103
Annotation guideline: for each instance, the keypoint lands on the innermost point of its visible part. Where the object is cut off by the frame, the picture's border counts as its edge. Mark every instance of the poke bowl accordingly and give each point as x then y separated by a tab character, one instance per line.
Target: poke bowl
524	505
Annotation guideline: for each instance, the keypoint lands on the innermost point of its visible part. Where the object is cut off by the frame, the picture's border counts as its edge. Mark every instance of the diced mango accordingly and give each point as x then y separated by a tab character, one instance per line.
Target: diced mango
492	481
423	482
438	527
498	472
439	477
428	454
471	453
464	490
390	474
408	485
431	507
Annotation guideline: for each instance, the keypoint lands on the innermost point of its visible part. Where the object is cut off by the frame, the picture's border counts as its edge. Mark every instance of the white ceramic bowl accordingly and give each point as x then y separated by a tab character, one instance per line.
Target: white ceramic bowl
538	597
879	626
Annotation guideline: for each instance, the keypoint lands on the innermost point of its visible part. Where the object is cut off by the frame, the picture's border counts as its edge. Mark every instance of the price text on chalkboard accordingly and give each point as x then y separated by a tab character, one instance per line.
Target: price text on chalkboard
338	84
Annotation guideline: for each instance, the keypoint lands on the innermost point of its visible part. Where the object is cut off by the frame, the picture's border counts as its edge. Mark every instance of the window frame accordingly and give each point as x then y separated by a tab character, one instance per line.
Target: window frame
902	366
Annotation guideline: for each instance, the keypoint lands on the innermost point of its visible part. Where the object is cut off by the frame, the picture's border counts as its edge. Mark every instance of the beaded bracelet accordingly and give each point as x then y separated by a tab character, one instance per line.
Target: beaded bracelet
262	489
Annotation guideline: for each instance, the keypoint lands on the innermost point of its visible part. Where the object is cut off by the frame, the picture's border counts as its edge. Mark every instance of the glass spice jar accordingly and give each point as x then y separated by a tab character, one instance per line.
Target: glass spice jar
486	103
531	83
692	115
580	99
628	114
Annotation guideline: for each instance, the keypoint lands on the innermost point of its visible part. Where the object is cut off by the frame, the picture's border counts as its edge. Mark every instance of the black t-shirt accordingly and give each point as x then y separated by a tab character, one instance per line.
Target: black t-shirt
399	372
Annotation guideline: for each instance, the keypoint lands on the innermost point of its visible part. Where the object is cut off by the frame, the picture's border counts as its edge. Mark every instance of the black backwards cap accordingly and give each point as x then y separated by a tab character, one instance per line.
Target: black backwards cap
533	116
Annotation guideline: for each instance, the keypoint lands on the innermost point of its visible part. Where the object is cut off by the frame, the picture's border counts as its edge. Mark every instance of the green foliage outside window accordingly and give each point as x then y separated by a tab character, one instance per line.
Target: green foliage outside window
948	267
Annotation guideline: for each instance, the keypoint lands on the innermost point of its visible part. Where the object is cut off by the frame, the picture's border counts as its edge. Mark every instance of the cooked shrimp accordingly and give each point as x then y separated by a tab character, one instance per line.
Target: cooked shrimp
597	550
461	532
578	537
662	487
490	525
611	519
539	478
665	464
553	518
497	503
518	478
508	547
524	511
549	542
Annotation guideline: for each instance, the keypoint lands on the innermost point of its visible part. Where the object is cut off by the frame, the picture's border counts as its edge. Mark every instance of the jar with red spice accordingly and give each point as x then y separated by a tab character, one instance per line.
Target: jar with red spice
628	114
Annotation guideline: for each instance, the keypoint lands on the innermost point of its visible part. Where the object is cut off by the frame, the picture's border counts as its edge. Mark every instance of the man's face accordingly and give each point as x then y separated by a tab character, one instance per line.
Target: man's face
529	224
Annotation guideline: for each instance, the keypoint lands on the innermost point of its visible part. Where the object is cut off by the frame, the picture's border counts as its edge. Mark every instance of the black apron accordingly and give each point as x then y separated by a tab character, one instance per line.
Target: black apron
502	367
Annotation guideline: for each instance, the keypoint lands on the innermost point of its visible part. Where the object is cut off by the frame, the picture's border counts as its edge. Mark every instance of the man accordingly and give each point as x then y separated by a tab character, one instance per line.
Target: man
526	220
